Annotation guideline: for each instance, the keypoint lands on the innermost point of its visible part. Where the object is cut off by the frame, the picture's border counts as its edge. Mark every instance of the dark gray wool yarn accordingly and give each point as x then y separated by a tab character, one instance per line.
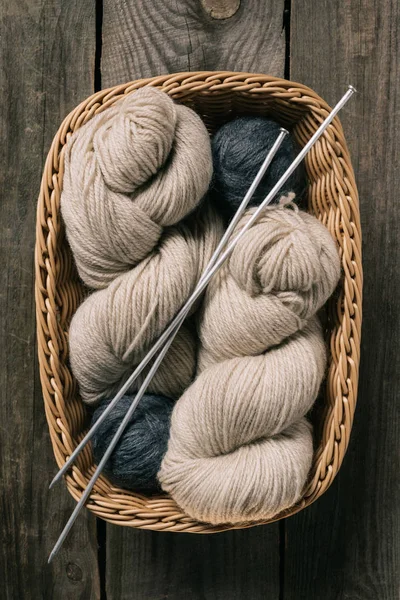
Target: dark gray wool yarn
239	148
136	460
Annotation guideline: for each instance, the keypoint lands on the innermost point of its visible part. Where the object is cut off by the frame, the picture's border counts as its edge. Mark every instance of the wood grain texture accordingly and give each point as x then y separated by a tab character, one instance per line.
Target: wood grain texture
46	67
347	545
182	566
143	39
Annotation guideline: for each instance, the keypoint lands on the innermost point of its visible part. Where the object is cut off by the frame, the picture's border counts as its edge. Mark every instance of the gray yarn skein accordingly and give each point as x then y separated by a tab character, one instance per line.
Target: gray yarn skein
137	457
239	148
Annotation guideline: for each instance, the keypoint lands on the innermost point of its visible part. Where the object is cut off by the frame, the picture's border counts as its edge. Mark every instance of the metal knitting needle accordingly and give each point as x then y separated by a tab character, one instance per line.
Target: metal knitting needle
235	220
202	285
177	323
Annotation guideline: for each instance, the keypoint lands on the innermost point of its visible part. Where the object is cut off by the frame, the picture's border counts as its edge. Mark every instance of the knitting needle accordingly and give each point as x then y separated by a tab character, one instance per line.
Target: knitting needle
199	289
235	220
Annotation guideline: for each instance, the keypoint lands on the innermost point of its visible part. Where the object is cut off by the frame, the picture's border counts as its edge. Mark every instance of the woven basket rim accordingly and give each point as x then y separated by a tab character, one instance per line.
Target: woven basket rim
333	198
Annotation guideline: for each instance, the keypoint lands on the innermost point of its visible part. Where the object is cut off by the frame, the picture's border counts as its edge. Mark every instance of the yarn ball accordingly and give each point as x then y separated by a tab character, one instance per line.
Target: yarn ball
240	447
281	272
132	175
132	170
115	327
239	148
137	457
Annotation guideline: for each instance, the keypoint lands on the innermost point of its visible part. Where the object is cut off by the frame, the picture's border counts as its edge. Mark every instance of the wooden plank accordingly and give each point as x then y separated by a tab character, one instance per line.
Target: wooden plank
46	67
347	545
183	566
142	39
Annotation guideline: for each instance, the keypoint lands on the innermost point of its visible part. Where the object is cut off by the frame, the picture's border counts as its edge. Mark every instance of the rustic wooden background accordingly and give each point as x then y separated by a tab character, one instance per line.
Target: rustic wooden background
54	53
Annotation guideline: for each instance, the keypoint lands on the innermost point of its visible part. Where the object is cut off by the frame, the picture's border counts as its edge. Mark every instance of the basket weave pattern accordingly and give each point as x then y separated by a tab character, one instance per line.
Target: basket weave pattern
333	198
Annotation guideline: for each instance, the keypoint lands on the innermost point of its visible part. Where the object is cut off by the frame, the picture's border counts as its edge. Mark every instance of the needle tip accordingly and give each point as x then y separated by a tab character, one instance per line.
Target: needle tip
53	481
52	555
353	89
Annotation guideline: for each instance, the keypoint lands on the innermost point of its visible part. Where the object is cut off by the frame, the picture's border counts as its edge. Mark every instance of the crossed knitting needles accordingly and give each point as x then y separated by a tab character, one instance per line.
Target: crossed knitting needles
163	344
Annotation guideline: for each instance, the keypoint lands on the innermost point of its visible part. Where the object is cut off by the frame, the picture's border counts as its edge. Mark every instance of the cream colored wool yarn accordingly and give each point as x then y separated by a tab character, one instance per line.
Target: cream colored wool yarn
115	327
132	173
280	274
141	165
240	448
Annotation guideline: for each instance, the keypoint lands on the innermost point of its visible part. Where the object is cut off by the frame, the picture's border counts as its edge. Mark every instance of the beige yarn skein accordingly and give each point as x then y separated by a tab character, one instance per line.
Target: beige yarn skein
114	328
240	448
280	274
132	173
141	165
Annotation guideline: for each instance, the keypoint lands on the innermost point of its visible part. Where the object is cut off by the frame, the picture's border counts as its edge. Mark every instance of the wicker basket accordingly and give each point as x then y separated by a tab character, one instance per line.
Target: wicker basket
217	97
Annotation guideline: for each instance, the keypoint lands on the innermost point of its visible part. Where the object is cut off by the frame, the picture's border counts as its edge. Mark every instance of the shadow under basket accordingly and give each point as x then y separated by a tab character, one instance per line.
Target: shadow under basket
332	196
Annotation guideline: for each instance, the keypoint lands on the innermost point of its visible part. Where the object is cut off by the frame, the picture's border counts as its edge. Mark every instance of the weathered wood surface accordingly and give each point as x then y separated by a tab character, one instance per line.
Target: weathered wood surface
142	39
46	67
346	546
232	565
